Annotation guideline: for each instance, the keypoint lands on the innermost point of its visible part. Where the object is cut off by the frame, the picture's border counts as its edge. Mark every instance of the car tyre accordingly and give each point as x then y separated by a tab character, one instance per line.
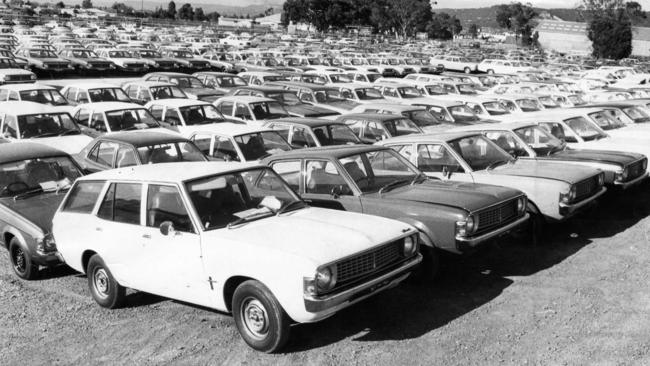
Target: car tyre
490	71
103	286
467	70
536	224
429	269
21	262
259	317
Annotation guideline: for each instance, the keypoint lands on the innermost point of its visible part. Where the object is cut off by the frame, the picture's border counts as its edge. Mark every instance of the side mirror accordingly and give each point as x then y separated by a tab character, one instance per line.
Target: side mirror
336	192
448	170
167	228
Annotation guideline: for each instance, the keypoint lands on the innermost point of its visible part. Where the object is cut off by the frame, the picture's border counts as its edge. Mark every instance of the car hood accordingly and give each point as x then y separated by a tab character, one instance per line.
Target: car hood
308	110
124	60
69	144
344	104
38	209
200	91
319	234
600	156
468	196
540	169
51	60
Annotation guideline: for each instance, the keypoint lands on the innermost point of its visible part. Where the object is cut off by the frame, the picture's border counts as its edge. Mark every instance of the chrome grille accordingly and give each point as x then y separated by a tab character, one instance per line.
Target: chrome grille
496	216
56	65
18	78
135	66
368	262
635	169
586	188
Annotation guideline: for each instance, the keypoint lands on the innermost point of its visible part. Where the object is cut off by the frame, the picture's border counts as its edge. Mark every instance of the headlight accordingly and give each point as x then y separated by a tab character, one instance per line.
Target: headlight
521	205
89	65
112	66
326	278
569	196
601	179
33	76
645	164
70	66
46	244
466	227
410	245
156	65
45	66
622	175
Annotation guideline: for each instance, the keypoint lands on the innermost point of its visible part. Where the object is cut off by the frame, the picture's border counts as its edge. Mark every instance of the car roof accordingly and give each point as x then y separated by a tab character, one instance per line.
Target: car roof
311	122
227	128
325	151
244	99
494	126
178	102
22	87
173	74
391	107
373	116
27	150
142	137
110	106
170	173
263	88
149	83
438	137
92	85
26	108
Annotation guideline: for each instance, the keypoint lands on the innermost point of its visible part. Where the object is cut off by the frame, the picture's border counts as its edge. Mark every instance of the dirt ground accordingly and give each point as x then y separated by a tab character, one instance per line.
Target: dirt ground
581	298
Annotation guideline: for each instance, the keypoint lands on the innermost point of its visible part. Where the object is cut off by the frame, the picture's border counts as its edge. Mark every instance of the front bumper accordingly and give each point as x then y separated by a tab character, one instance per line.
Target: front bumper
330	304
47	259
463	244
635	181
568	210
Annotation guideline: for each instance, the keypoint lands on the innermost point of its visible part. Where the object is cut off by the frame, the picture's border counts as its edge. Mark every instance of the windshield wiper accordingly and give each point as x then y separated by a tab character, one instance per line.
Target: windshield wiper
252	217
293	204
69	132
28	193
47	134
393	184
497	163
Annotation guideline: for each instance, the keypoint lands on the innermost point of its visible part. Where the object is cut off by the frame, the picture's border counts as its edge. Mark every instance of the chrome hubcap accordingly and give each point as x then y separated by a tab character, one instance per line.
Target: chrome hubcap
100	279
19	260
255	318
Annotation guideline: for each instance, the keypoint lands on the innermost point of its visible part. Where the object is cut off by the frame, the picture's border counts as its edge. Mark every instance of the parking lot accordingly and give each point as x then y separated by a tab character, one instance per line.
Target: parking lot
580	298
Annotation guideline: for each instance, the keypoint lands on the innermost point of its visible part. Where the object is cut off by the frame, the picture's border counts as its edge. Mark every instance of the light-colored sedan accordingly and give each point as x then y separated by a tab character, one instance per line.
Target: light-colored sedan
230	237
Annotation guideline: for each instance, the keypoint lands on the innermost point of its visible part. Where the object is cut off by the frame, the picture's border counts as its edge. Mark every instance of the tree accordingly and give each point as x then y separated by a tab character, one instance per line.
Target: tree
171	10
60	5
186	12
519	18
473	30
635	11
609	28
122	9
87	4
410	15
214	16
294	11
199	15
443	26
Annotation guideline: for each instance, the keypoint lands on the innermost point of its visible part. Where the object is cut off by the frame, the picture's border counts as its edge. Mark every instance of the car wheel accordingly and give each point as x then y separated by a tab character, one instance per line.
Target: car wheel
490	71
430	266
21	262
103	287
536	224
467	70
260	319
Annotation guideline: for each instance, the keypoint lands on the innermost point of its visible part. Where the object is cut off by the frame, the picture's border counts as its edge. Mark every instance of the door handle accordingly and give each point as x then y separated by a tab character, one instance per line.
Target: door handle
99	229
146	236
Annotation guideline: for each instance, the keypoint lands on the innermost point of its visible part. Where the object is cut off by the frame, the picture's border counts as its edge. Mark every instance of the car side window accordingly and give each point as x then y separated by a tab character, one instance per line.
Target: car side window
125	157
290	172
97	122
432	158
226	108
241	111
13	96
103	153
224	149
122	203
83	196
10	127
557	130
164	203
70	94
82	117
172	117
301	137
375	131
283	130
132	91
4	94
157	111
322	176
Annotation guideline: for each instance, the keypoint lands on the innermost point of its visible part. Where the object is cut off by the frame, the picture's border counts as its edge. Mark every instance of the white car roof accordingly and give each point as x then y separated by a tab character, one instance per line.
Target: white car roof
17	108
22	87
177	102
110	106
91	85
171	173
244	99
228	129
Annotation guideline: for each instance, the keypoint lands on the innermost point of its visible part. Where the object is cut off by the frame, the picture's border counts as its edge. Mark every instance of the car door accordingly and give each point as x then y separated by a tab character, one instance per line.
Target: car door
326	185
175	268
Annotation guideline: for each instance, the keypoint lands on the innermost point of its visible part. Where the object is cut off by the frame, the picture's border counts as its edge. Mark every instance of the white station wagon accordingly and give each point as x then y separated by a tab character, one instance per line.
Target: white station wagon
229	236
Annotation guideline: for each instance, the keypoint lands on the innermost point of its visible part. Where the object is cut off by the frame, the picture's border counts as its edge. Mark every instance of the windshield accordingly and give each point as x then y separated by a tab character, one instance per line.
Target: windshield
463	113
268	110
422	118
170	153
313	79
584	129
149	54
189	82
119	54
220	200
167	92
637	114
540	140
368	94
373	77
335	135
576	99
201	114
605	122
108	95
548	102
41	54
181	54
466	89
41	175
401	126
46	125
479	152
339	78
529	105
43	96
374	170
328	96
130	119
495	108
84	54
435	89
230	81
288	98
255	146
409	92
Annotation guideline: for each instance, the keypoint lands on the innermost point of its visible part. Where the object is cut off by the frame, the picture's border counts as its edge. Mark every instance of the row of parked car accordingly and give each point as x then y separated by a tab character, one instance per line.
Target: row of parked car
286	198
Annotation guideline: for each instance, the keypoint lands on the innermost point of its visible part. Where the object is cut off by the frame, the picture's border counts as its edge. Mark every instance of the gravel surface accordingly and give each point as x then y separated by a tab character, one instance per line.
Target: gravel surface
581	298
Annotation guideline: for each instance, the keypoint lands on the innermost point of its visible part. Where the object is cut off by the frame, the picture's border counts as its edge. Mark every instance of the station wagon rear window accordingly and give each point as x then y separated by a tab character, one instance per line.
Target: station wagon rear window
37	175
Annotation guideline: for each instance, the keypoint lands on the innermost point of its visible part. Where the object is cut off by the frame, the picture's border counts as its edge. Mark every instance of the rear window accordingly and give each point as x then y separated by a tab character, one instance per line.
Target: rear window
82	197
